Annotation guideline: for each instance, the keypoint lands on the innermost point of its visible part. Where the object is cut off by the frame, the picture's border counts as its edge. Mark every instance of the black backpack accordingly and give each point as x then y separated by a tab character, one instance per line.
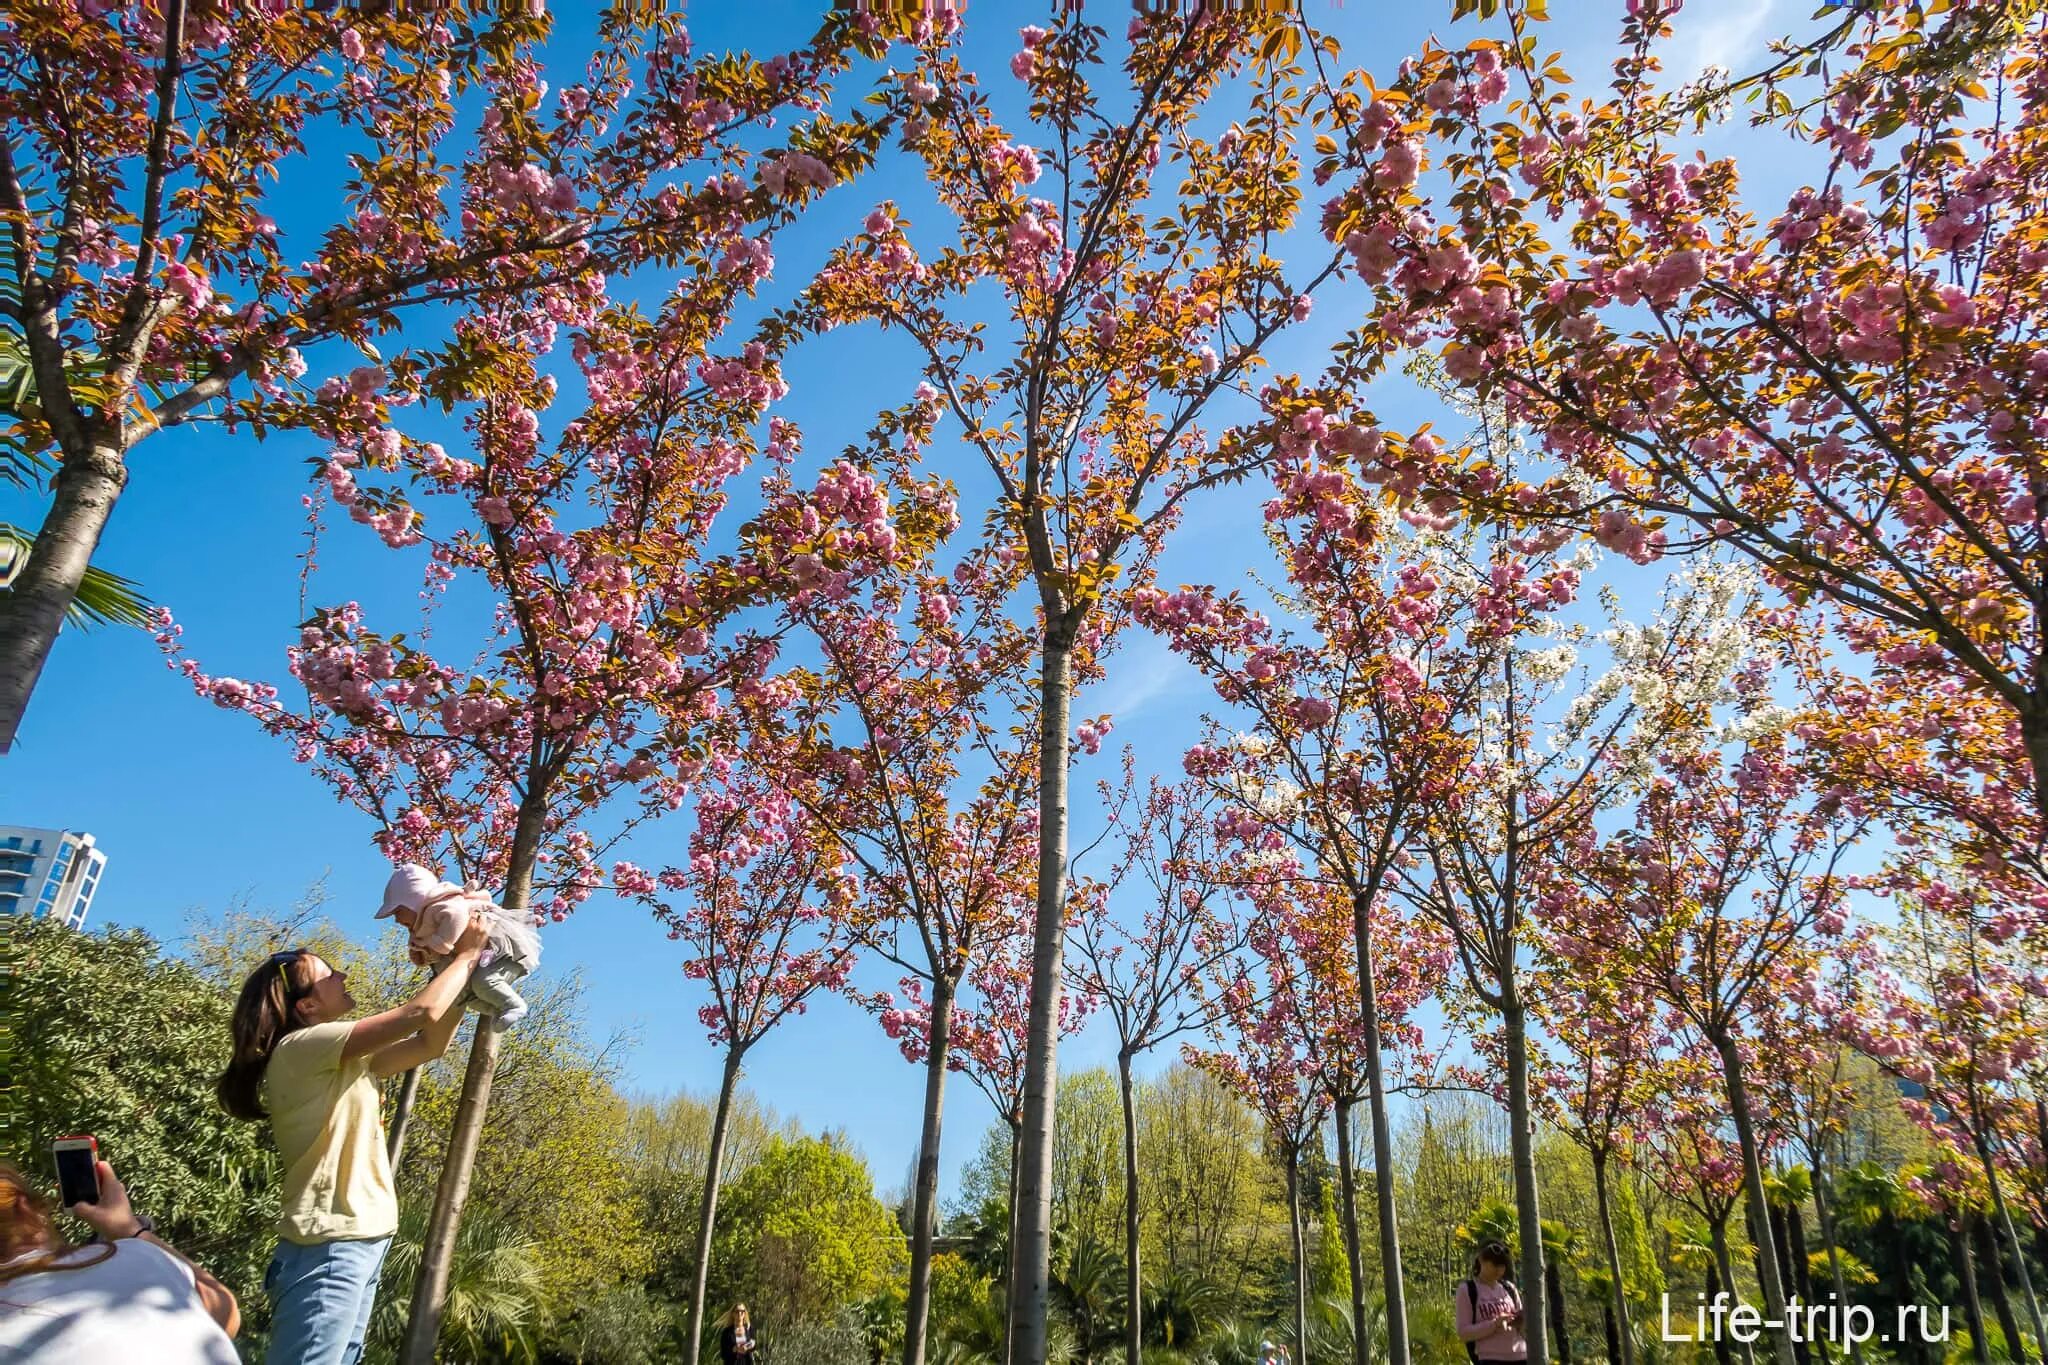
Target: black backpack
1472	1301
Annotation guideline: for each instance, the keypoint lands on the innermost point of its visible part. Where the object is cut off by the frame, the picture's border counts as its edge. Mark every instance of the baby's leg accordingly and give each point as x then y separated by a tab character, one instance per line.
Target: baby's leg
496	989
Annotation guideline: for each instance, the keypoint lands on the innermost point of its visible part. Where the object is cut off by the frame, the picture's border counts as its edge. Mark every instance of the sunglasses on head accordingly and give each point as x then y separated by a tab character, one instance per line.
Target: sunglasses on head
283	961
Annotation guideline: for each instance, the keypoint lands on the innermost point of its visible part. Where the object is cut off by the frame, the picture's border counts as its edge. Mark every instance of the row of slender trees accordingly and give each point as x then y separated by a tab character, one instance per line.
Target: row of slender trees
1452	782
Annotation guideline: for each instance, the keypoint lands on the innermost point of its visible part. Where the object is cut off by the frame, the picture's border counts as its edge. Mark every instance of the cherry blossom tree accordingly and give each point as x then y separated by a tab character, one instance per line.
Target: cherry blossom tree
1148	974
1716	903
597	668
1957	1008
1269	1058
1550	746
1687	1155
766	911
1351	731
1139	288
152	148
919	670
1608	1039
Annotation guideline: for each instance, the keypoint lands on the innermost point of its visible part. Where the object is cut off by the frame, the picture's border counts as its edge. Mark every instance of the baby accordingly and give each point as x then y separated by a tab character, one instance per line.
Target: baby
435	913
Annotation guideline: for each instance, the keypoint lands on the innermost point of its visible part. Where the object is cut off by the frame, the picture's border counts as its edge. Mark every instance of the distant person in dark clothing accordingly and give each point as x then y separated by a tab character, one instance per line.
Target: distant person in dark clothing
736	1342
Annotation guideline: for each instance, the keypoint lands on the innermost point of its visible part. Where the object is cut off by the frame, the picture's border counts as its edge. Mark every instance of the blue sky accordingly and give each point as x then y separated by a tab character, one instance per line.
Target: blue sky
197	808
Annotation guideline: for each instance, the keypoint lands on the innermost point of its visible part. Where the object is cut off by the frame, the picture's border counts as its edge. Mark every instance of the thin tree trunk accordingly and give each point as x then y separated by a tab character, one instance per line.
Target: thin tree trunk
707	1212
1994	1271
1010	1242
1753	1193
1347	1185
401	1118
1781	1238
437	1256
1613	1332
1553	1281
1031	1252
1973	1303
2012	1247
2003	1216
1726	1262
430	1285
1721	1352
1522	1152
83	494
1134	1284
925	1201
1611	1248
1393	1283
1823	1205
1799	1255
1300	1256
1802	1274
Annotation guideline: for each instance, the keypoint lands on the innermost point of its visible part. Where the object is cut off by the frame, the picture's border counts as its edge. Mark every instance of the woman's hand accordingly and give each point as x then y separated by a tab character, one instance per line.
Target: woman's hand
113	1217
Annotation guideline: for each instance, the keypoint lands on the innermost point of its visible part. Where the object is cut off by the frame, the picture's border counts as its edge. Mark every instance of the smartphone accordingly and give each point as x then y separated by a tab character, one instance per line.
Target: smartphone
78	1170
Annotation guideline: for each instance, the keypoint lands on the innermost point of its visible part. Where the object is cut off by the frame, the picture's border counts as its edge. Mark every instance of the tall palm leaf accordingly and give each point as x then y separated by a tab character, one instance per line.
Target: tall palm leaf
104	598
494	1290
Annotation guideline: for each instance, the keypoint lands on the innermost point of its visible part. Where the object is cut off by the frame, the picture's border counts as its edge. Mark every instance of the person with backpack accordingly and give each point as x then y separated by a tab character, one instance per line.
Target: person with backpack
1490	1309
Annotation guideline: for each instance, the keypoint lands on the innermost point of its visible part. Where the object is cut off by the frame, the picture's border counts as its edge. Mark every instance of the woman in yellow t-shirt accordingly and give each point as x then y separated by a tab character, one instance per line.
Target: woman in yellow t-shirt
300	1062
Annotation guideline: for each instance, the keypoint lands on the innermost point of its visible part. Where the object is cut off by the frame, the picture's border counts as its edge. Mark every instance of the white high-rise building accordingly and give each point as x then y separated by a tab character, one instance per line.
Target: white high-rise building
49	872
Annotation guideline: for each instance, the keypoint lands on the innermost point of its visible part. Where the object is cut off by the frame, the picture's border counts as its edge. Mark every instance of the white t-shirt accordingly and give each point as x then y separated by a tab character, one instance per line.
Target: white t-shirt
138	1304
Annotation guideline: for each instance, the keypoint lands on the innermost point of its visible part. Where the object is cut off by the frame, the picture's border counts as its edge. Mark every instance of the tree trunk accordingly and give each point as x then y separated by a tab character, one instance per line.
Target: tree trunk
1823	1205
1753	1193
430	1285
1300	1255
32	611
1031	1252
1134	1284
1801	1260
1393	1283
1553	1282
1010	1241
1613	1332
1617	1301
1973	1303
707	1213
1522	1151
925	1200
1354	1256
1721	1353
1799	1255
401	1118
1994	1272
1726	1264
2012	1245
1781	1238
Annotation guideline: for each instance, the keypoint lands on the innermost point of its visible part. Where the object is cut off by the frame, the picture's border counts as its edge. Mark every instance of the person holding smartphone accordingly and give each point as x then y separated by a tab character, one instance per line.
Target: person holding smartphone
736	1342
300	1062
125	1297
1489	1309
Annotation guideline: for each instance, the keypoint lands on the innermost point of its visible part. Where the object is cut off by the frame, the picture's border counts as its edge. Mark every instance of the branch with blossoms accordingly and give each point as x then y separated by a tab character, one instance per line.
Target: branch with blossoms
1836	388
186	306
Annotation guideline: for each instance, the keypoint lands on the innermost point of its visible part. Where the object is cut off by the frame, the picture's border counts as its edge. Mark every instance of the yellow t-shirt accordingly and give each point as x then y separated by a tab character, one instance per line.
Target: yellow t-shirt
323	1112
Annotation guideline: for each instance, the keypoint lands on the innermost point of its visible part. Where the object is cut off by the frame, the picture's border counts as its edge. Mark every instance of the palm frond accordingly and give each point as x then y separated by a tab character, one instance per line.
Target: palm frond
104	598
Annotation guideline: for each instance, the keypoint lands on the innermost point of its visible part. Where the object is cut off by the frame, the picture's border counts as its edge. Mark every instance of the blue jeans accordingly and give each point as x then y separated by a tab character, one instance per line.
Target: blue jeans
320	1300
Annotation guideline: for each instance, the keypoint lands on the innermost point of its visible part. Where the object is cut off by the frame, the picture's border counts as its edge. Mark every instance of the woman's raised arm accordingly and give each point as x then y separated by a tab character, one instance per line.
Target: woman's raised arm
439	1002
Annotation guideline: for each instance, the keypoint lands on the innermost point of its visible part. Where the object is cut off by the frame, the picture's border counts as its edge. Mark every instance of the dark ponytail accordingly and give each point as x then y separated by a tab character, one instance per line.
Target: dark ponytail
264	1013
